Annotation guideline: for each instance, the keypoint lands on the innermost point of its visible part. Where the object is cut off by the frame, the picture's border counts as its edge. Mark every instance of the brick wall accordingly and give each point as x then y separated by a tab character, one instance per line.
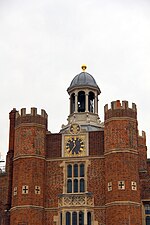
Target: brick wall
96	143
54	179
53	145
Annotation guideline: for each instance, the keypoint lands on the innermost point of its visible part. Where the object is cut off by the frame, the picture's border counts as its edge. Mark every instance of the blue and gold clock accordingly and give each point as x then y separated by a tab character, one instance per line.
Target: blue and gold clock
75	145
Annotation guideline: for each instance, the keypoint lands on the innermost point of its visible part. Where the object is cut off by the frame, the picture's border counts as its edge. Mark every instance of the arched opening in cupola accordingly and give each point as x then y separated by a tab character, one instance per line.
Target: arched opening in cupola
73	103
91	102
81	101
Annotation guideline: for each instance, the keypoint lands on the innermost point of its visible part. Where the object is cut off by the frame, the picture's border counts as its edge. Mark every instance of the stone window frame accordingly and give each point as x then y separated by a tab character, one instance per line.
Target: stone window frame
133	185
109	186
35	190
72	162
146	211
120	183
86	213
27	190
75	179
15	191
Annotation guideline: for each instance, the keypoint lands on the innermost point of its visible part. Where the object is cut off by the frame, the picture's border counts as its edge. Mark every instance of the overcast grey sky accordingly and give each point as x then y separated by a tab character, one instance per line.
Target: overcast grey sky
44	43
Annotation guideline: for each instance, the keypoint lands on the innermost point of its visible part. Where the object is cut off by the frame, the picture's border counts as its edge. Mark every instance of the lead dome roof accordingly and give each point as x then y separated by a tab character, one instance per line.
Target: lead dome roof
83	79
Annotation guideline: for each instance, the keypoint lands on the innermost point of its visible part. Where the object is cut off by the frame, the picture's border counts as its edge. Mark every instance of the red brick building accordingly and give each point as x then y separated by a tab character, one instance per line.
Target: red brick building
90	173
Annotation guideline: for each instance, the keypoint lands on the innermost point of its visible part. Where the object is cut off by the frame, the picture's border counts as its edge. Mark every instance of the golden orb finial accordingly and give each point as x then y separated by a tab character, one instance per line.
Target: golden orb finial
83	67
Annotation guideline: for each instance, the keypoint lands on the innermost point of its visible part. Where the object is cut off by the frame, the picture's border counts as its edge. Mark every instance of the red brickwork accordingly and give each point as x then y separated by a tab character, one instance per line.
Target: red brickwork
3	189
145	182
96	143
29	140
142	149
30	172
124	214
27	216
120	134
96	181
122	167
53	145
49	216
100	215
53	183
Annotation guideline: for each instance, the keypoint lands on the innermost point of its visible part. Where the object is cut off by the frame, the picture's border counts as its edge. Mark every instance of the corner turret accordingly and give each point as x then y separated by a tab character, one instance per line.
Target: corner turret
121	163
29	166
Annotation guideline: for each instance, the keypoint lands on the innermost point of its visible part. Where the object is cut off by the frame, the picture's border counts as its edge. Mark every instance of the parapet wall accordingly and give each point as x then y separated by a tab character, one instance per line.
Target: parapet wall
119	109
32	117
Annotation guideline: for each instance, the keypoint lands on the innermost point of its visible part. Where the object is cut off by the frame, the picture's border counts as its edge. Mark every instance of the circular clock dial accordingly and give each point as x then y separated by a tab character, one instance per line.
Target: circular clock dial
75	145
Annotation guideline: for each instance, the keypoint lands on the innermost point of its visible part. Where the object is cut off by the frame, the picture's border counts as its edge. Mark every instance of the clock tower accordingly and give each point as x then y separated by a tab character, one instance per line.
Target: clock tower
77	201
83	92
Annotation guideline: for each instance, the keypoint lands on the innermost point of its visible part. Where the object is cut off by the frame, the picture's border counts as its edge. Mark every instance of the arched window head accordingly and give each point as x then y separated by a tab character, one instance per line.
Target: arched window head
68	218
69	186
81	170
81	101
147	220
74	218
72	103
91	102
75	185
75	170
61	218
81	218
89	218
69	170
82	186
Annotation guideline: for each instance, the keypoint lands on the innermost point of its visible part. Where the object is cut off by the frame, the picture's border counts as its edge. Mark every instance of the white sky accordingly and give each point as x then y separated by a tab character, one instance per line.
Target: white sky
44	43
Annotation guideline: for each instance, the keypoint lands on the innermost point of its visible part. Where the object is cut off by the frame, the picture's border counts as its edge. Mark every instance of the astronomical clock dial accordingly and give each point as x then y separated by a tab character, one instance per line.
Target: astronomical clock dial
75	145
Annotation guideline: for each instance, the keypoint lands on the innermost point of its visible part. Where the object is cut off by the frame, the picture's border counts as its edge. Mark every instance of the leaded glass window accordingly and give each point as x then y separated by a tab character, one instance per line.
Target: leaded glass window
75	178
89	218
68	218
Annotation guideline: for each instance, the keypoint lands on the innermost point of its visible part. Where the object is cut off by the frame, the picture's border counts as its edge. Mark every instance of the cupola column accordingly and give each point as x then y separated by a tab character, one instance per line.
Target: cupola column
86	102
96	103
70	105
76	102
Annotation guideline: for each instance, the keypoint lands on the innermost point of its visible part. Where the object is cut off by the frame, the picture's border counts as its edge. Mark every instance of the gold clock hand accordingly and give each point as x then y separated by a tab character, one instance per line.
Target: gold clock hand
73	146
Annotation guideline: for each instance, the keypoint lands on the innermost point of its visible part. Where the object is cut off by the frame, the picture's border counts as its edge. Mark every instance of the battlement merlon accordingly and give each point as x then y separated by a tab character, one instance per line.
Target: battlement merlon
31	117
119	109
143	135
117	105
33	113
142	138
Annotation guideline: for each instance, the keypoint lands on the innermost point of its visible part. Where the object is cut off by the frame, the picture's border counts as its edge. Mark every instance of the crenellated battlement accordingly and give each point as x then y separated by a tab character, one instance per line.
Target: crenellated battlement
32	117
33	113
143	135
119	109
117	105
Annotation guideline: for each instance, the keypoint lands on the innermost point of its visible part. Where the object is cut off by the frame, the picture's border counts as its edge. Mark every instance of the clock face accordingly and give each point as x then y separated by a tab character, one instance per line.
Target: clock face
75	146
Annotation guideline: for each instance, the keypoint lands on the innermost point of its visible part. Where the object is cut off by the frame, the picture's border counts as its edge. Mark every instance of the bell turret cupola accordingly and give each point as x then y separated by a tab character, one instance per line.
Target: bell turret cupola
83	92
